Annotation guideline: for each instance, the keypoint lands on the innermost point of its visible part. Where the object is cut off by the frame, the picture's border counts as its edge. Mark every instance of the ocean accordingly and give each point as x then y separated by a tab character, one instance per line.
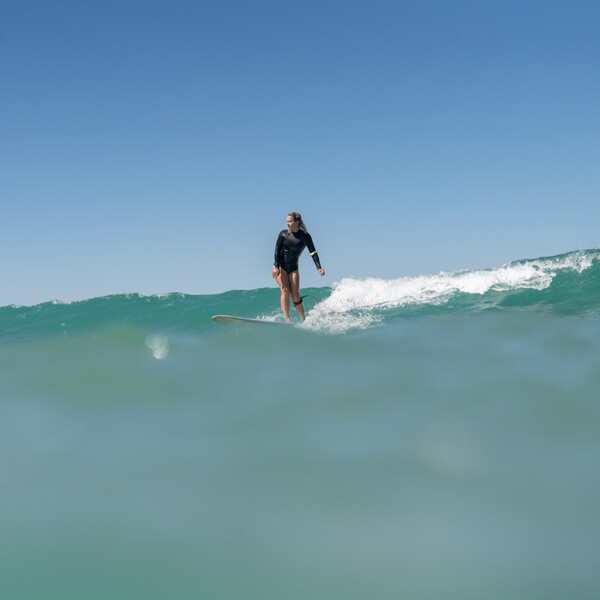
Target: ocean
421	437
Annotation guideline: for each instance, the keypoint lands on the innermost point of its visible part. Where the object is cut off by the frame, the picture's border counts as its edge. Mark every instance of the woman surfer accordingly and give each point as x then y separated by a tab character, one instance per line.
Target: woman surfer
288	248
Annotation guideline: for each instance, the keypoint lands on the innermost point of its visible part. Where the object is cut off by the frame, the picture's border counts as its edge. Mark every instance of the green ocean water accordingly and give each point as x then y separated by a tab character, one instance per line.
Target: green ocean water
425	437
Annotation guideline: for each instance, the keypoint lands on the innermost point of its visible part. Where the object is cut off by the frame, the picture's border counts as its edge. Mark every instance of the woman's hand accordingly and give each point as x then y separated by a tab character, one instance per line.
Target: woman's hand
321	272
275	272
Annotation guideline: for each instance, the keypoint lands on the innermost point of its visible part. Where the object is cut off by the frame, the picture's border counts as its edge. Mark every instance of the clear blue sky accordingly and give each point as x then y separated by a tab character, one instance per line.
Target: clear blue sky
156	146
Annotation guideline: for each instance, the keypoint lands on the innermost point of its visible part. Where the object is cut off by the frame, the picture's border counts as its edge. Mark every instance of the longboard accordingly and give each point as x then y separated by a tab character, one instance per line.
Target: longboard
232	320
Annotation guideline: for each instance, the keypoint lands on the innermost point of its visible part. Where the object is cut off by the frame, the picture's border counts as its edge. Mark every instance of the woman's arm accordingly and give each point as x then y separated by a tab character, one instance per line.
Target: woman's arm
311	248
278	248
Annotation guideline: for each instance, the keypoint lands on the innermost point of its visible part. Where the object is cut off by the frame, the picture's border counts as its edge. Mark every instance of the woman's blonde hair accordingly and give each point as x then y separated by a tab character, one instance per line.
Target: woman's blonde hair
298	217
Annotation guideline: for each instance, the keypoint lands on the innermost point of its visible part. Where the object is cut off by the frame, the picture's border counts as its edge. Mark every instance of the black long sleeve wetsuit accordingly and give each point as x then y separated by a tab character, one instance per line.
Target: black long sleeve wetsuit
289	247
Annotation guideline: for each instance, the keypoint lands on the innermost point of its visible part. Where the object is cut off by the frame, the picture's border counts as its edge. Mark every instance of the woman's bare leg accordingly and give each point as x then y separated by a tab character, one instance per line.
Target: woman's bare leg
284	285
294	279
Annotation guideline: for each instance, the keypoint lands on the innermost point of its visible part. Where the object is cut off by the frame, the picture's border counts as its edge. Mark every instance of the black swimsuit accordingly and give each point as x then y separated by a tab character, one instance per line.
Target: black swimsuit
289	247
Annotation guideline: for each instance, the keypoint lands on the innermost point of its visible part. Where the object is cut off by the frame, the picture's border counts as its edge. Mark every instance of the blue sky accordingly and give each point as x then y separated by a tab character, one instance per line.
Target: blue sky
157	146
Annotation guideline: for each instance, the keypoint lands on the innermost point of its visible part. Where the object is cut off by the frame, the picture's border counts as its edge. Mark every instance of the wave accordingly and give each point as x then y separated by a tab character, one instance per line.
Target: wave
567	284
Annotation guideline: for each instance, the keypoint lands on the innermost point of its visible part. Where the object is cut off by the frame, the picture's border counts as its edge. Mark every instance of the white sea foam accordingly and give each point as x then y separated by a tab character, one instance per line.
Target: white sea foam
353	299
158	346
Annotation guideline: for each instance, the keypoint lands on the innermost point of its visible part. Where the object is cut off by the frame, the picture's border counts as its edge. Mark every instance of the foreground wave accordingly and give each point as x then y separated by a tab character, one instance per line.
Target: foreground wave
568	284
446	446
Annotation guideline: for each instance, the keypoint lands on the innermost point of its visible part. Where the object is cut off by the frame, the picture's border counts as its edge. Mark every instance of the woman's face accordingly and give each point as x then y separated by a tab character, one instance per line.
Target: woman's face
290	223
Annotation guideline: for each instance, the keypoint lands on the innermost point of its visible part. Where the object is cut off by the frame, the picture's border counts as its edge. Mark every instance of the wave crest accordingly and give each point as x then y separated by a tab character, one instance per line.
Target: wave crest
360	302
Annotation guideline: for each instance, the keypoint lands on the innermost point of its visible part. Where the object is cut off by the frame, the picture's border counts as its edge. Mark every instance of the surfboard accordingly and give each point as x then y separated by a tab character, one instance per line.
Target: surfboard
233	320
